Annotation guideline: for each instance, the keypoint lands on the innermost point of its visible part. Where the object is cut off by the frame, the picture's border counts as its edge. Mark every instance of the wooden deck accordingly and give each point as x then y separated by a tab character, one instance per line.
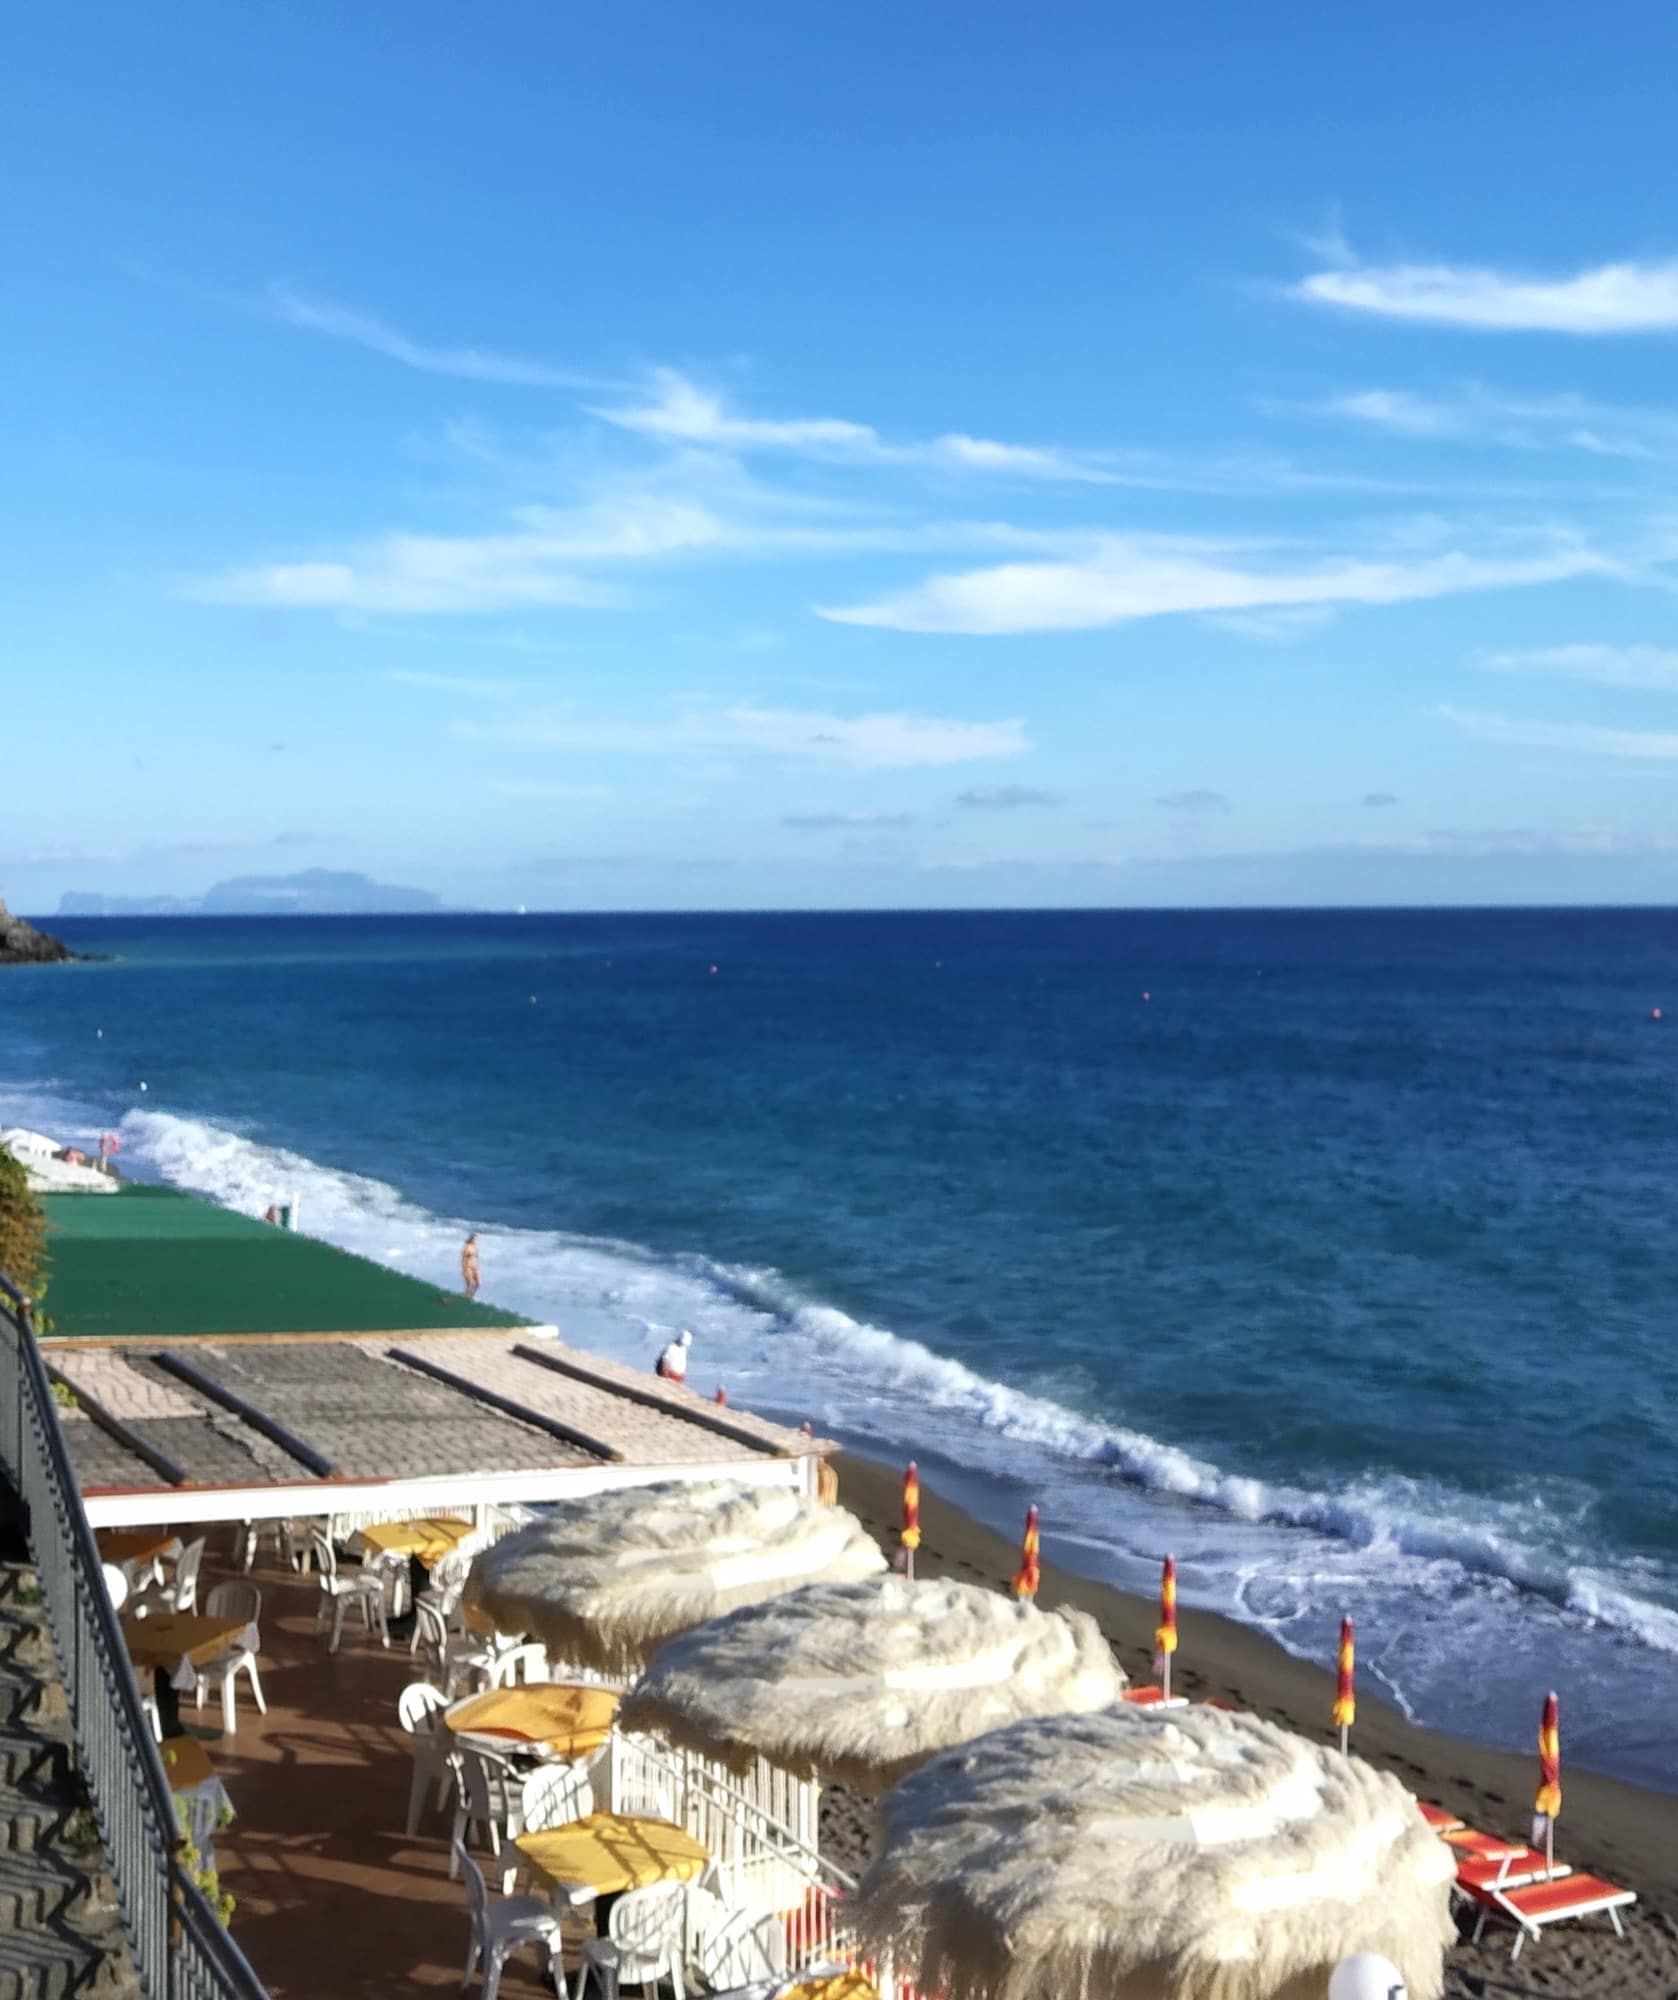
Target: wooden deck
333	1898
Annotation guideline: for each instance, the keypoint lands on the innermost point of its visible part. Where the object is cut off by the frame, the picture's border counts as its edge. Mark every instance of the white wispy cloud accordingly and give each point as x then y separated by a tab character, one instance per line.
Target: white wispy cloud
471	364
1477	414
1132	577
1280	626
1606	299
677	410
881	741
1609	666
1587	738
538	561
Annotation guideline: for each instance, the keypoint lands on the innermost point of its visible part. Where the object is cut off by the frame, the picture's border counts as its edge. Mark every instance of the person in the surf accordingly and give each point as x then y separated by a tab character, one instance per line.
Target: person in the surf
469	1279
672	1364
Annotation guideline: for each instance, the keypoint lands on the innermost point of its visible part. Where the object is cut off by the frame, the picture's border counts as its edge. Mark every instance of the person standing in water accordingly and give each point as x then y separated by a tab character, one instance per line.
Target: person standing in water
469	1279
673	1362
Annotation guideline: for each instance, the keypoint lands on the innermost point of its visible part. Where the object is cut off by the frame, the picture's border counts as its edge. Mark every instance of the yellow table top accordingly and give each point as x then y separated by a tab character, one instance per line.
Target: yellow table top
430	1539
128	1545
186	1761
563	1720
607	1853
849	1985
173	1636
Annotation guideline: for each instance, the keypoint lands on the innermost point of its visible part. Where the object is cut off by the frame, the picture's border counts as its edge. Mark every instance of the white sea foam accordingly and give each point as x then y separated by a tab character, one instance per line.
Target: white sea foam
758	1333
1435	1577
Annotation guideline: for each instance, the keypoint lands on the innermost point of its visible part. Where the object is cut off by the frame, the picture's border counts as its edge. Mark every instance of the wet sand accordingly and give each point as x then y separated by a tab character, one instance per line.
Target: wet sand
1609	1828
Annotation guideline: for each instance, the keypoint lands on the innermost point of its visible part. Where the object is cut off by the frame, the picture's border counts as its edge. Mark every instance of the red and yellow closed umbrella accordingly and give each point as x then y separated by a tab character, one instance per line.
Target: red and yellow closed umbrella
911	1535
1345	1695
1165	1634
1546	1804
1030	1572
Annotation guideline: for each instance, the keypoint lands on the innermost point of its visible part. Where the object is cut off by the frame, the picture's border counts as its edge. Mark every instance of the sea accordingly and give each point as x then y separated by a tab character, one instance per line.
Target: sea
1332	1252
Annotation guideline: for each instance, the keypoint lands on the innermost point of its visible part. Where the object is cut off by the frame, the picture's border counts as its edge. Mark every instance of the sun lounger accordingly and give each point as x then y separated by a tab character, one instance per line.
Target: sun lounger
1153	1697
1510	1870
1473	1845
1551	1902
1439	1819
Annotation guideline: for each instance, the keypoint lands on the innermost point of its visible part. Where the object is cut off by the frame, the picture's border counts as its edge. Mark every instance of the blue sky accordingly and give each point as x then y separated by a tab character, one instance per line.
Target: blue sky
666	456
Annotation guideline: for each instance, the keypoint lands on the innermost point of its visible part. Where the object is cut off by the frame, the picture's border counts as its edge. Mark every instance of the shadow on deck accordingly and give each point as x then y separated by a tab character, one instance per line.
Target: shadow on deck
333	1898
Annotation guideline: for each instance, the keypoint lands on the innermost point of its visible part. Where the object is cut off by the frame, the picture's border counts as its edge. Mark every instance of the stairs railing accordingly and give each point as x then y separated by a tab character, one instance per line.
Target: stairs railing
181	1950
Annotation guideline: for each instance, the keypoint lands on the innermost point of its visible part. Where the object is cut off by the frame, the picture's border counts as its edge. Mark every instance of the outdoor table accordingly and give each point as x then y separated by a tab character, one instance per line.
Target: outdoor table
607	1854
174	1644
133	1545
430	1539
847	1985
192	1779
553	1718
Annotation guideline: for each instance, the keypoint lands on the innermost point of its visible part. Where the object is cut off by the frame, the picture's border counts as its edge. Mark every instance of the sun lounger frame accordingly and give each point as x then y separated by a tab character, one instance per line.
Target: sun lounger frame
1528	1925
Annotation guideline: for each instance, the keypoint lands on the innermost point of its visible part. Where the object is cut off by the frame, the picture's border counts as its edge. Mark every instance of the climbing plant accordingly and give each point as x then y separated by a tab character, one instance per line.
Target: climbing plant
23	1229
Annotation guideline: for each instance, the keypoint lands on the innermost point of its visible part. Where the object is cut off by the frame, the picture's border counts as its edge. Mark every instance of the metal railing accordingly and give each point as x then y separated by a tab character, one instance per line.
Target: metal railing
181	1951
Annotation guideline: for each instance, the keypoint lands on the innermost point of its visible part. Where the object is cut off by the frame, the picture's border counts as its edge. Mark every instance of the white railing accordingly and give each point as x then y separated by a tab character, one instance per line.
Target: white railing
785	1901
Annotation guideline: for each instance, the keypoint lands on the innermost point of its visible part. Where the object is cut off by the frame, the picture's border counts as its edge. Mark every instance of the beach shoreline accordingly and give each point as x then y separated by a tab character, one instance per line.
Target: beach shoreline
1607	1826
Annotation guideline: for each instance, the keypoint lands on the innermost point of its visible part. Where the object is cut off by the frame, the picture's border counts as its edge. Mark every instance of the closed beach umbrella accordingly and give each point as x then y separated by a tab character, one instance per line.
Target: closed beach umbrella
1165	1633
1546	1804
1345	1695
911	1536
1139	1854
1030	1572
606	1580
860	1682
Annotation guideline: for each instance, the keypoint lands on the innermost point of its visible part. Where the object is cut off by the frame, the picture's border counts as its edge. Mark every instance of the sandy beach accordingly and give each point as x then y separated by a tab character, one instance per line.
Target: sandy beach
1614	1829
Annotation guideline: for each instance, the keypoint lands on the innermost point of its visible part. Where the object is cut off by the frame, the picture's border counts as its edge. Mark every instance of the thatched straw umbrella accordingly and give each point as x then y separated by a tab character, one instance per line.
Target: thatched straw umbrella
1139	1855
861	1682
606	1580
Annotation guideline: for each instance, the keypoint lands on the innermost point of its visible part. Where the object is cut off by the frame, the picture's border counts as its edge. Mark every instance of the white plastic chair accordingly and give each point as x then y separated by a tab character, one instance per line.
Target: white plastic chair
296	1544
178	1592
419	1708
556	1794
233	1600
489	1796
431	1632
643	1945
182	1589
733	1946
502	1926
362	1588
117	1582
526	1663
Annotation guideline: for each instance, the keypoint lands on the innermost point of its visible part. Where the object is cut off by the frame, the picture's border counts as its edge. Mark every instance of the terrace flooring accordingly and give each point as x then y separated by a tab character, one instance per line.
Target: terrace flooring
333	1898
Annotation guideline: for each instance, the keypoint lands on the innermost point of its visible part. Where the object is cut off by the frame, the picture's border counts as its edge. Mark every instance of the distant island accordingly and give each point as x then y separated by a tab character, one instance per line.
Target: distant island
312	892
22	944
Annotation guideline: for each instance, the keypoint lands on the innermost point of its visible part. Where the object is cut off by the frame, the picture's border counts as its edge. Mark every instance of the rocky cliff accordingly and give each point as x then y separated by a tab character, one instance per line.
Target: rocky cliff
22	944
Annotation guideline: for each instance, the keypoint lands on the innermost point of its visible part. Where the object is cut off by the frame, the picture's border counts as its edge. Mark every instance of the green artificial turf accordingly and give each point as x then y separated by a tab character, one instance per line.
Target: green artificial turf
150	1263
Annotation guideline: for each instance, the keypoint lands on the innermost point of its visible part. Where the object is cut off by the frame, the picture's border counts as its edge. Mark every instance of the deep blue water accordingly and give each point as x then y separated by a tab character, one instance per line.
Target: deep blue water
1331	1250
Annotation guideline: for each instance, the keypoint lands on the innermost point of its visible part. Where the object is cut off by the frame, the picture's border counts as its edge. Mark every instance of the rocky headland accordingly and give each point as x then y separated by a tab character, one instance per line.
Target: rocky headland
22	944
